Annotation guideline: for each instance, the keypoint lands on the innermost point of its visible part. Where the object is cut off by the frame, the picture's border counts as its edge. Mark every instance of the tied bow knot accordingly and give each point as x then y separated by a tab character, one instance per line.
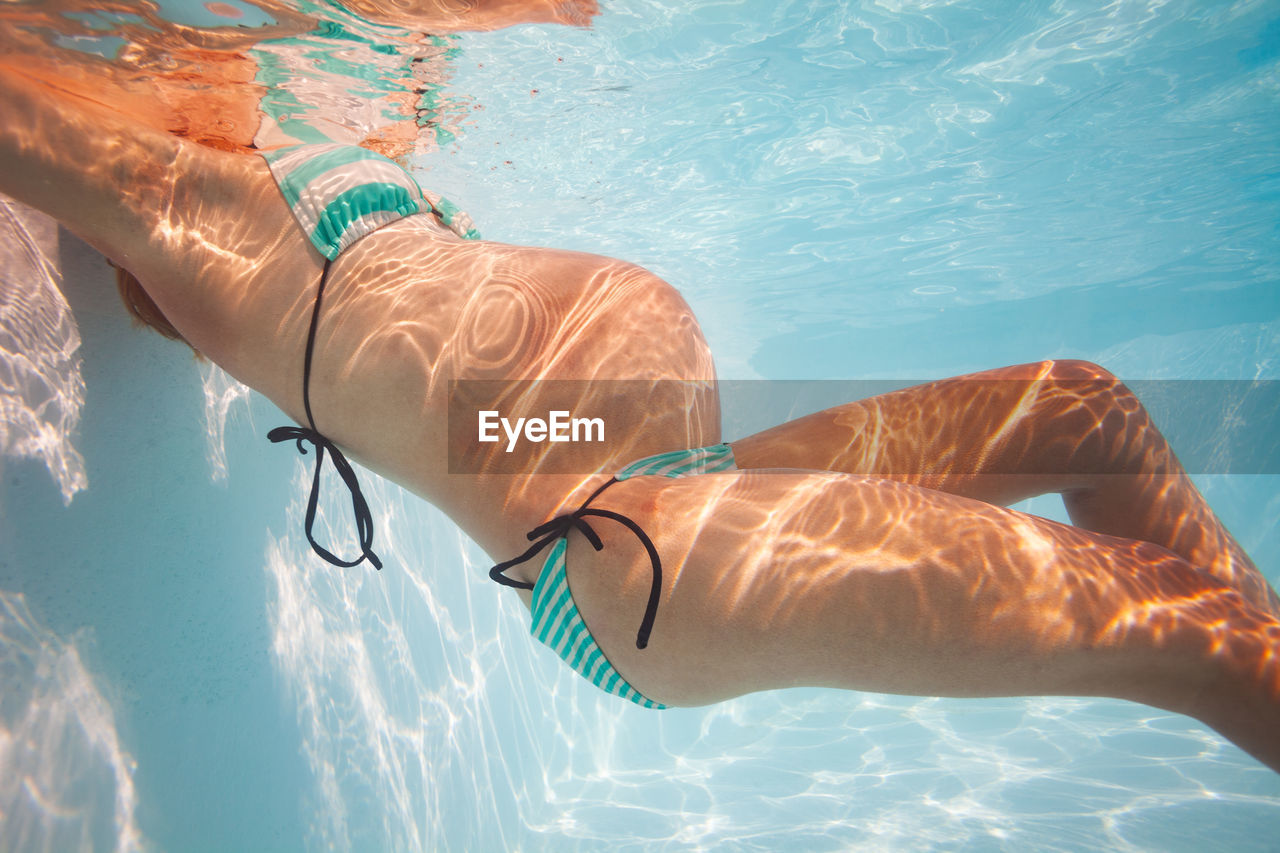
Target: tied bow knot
359	506
297	434
560	527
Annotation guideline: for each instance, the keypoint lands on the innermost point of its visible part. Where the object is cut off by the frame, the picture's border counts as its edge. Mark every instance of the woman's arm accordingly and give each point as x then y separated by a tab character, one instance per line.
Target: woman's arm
206	232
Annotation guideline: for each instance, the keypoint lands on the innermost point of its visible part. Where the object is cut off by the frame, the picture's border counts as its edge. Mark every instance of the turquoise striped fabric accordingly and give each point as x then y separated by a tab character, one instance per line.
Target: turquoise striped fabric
453	218
340	193
556	620
682	463
558	624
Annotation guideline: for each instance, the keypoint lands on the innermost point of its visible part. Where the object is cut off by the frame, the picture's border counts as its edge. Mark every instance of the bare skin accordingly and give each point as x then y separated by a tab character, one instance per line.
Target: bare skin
1004	435
455	15
882	564
199	83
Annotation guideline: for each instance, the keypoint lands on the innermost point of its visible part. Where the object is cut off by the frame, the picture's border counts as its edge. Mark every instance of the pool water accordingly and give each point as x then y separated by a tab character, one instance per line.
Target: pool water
842	191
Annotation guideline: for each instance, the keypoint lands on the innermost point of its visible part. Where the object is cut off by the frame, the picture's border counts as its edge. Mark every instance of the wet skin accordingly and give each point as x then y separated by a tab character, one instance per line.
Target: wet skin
874	555
200	83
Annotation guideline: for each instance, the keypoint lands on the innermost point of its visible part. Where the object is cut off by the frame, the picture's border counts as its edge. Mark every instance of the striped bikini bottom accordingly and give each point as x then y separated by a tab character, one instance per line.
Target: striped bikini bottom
340	193
556	620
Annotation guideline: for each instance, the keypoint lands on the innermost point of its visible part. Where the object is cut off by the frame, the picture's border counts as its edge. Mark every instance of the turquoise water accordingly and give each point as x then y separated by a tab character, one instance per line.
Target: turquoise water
842	191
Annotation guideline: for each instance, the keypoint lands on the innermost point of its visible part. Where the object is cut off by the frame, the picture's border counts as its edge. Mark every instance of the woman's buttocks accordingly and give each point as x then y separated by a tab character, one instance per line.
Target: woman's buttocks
609	346
425	332
491	311
568	315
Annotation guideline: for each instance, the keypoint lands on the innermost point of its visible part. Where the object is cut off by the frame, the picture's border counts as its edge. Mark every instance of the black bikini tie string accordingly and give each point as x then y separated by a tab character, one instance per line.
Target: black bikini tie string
560	526
359	506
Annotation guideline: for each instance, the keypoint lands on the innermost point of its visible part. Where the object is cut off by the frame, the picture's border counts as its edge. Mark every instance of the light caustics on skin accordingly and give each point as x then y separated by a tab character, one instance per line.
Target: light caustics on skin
1008	434
751	555
572	299
532	345
1039	589
275	74
427	316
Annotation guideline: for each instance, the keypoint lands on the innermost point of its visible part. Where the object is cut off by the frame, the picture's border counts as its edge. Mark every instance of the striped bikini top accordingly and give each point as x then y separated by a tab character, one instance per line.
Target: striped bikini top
340	193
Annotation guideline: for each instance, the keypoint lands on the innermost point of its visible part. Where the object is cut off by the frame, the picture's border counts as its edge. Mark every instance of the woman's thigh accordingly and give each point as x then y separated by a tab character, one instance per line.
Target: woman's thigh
1000	435
776	579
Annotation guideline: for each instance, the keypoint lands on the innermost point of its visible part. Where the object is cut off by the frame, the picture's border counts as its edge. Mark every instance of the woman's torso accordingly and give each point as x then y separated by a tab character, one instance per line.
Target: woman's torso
414	317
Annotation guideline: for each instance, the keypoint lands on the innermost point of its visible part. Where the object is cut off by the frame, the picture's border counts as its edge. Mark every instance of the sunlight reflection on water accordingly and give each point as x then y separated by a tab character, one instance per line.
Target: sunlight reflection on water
41	388
67	782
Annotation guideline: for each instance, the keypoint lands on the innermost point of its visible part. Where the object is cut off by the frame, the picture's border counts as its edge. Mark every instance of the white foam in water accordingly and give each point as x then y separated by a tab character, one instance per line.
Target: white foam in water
65	781
41	388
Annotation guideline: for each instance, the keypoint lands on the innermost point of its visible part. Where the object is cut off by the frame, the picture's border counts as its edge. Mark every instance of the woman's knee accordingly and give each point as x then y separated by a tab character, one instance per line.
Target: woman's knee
1114	428
1096	388
1074	368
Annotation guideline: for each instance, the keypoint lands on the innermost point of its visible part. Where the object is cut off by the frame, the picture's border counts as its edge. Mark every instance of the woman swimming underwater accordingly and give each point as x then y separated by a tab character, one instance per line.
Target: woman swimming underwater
865	547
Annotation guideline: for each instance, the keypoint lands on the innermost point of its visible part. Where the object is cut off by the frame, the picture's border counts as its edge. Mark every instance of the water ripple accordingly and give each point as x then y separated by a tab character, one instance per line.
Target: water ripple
41	387
225	401
1060	146
66	783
